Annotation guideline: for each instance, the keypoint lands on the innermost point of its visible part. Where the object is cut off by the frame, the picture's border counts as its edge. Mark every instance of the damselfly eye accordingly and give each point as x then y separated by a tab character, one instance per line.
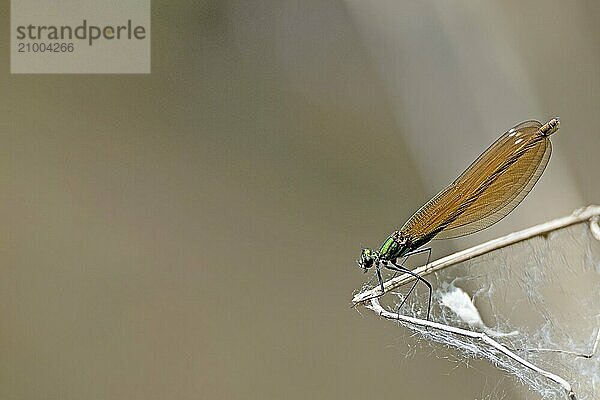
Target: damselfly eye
366	259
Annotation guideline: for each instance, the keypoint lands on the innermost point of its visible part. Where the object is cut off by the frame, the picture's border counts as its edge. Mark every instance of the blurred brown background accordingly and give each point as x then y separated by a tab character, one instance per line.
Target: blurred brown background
192	234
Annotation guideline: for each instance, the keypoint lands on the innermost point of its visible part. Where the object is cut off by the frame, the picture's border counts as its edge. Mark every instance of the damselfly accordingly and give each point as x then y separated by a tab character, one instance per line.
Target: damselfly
488	190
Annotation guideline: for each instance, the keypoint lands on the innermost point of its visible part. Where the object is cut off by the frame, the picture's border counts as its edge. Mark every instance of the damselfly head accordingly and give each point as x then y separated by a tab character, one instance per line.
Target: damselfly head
367	259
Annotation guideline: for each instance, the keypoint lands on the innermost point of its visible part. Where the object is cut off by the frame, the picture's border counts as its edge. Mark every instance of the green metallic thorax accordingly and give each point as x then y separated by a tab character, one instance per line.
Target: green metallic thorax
393	248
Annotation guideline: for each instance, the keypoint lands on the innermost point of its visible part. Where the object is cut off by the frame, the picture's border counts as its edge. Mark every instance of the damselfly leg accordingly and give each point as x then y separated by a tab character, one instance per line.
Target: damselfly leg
399	268
428	250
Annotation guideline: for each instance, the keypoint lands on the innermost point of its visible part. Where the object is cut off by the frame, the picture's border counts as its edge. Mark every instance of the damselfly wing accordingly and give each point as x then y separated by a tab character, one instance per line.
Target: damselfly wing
490	188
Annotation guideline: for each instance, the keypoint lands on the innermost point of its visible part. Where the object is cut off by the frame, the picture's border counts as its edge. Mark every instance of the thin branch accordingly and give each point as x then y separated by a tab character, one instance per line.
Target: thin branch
590	213
370	298
376	307
571	353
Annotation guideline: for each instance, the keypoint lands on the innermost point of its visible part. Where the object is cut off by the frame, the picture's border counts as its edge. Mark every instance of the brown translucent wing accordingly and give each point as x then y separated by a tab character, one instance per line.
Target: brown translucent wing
489	189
